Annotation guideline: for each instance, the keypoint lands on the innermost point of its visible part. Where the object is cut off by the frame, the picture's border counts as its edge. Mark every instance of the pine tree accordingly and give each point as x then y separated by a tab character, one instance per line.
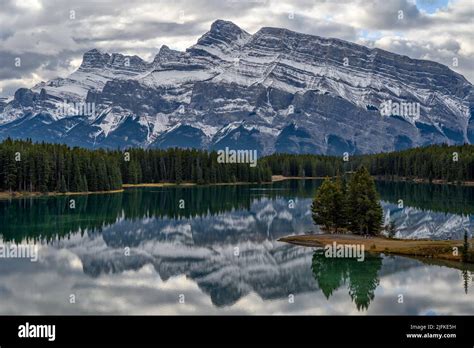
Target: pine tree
133	169
465	248
10	172
178	168
339	214
392	229
466	279
62	186
365	211
323	205
301	172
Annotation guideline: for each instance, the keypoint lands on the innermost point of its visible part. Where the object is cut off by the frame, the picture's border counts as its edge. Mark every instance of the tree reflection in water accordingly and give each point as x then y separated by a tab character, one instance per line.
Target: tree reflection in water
361	277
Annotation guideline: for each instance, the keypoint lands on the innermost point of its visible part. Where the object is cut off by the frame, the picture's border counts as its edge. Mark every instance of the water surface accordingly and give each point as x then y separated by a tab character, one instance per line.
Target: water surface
143	252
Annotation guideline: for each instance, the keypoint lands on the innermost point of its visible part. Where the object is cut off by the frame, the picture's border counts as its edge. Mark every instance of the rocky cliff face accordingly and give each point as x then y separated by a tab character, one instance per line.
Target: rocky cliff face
275	90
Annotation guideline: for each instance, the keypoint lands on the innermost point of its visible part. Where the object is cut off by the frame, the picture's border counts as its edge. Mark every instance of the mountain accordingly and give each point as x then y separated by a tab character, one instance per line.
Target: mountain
273	91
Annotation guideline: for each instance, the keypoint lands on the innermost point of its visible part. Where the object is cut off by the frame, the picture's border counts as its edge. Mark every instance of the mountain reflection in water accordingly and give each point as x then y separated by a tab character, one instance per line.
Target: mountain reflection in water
135	252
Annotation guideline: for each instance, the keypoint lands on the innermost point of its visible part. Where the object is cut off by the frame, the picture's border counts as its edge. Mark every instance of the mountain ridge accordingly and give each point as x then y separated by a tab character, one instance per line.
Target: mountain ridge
330	89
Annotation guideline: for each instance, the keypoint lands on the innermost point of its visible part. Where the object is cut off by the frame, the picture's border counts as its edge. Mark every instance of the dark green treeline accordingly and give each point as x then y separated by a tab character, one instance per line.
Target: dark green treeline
26	166
40	167
443	162
185	165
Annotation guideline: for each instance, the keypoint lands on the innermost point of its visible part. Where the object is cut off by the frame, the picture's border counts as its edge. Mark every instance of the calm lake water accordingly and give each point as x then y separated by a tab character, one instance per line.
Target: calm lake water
214	250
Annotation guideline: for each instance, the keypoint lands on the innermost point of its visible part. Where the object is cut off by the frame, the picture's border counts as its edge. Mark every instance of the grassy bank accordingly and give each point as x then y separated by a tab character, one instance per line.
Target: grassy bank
276	178
433	249
158	184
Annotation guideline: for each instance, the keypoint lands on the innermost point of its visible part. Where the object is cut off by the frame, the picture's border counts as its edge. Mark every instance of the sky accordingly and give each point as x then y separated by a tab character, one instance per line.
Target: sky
50	36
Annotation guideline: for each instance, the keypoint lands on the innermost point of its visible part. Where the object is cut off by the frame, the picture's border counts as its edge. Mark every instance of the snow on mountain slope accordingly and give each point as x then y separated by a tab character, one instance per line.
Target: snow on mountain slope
331	90
413	223
203	249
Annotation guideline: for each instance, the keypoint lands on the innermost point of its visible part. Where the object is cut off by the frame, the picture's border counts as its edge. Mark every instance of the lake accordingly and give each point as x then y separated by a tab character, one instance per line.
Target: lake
214	250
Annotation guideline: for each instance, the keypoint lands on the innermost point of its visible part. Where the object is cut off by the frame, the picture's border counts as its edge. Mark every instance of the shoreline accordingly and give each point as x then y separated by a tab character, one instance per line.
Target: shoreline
25	194
22	194
425	181
158	184
192	184
275	178
441	250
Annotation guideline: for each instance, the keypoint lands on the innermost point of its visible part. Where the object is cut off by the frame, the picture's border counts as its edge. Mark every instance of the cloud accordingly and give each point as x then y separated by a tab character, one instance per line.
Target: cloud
51	35
444	51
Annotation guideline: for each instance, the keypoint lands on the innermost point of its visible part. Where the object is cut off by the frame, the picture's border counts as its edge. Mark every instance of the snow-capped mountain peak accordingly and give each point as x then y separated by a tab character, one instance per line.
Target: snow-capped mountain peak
337	92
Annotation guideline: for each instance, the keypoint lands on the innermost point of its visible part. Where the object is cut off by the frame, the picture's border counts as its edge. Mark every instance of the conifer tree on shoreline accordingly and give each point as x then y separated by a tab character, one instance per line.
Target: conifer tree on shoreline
323	205
365	212
356	208
465	248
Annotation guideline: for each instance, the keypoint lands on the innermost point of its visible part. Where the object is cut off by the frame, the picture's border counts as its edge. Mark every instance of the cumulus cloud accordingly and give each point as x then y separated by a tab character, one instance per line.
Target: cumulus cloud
50	36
